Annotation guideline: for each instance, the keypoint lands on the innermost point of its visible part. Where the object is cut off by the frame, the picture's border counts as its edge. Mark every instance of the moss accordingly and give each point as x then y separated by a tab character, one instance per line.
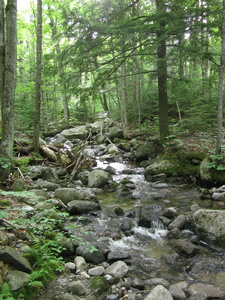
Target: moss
99	285
220	241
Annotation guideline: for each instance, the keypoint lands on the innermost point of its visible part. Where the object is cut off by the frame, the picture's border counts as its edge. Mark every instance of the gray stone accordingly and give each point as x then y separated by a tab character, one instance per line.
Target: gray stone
98	178
185	248
210	222
97	271
95	257
66	296
112	149
48	174
3	238
80	263
159	293
12	257
177	292
67	194
218	196
82	206
49	186
70	266
170	212
157	281
117	255
116	132
179	222
17	279
98	288
149	213
78	132
158	167
126	224
77	288
208	289
198	296
117	269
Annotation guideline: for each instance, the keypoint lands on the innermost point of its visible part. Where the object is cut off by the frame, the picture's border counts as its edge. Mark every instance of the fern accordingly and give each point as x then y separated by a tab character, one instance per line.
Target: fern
6	293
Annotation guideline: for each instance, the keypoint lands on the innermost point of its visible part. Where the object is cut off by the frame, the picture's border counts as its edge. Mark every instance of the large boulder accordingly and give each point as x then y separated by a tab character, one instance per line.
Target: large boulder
78	132
12	257
82	206
149	214
98	178
210	224
17	279
159	293
157	167
67	194
91	254
149	150
116	132
117	269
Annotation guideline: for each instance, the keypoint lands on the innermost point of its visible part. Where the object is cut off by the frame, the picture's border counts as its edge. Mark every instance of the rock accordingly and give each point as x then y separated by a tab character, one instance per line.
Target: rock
49	186
159	166
41	194
66	296
218	196
98	178
170	212
12	257
185	248
179	222
17	279
82	206
48	174
112	149
67	194
70	266
3	238
98	288
78	132
77	288
19	185
159	293
210	224
148	214
117	269
142	152
207	289
94	257
157	281
117	255
138	284
176	292
97	127
80	263
198	296
126	224
97	271
116	132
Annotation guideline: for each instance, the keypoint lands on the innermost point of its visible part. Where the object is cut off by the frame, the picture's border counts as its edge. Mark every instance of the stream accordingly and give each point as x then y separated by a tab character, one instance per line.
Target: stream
150	252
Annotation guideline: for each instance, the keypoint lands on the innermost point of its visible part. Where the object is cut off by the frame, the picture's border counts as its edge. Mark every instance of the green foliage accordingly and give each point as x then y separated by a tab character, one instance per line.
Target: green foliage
217	162
5	162
6	293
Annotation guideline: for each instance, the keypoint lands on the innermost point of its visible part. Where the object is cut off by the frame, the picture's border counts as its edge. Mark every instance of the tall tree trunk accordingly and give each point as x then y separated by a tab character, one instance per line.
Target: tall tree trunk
37	114
2	49
9	77
220	88
162	71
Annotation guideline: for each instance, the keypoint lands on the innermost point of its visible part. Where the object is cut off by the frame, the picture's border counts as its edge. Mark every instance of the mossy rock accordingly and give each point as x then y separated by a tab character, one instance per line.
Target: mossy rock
98	288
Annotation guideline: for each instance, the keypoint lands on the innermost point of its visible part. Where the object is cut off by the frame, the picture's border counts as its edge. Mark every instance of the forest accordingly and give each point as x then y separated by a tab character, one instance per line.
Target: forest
147	63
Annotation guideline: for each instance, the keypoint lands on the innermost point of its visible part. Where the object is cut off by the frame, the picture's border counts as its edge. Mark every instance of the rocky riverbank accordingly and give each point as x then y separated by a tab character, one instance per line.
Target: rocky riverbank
53	225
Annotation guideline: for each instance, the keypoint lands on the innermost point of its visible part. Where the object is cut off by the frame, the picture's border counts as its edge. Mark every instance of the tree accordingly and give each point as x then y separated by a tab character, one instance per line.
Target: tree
162	71
8	46
38	91
220	87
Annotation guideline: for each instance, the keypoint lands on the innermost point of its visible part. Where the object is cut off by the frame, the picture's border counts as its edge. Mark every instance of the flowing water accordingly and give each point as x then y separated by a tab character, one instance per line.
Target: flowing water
151	253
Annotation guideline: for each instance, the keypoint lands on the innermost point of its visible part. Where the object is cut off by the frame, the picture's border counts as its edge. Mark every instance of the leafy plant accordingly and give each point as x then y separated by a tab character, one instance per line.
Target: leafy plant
5	162
6	293
217	162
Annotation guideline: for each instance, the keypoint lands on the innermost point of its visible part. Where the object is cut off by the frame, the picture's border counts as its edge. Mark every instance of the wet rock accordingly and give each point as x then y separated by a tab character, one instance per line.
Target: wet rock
117	255
157	281
67	194
70	266
17	279
82	206
98	178
77	288
112	149
148	214
12	257
126	224
112	297
218	196
207	289
95	257
179	222
170	212
175	233
83	176
117	269
159	293
185	248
